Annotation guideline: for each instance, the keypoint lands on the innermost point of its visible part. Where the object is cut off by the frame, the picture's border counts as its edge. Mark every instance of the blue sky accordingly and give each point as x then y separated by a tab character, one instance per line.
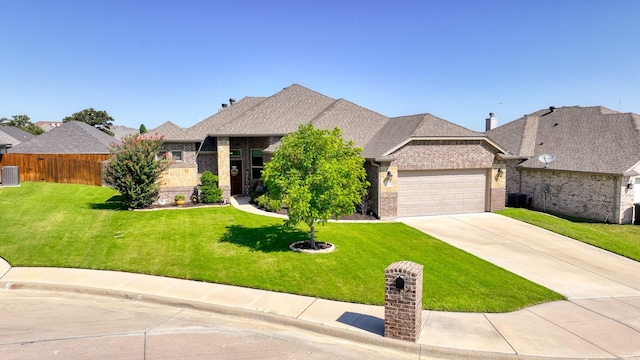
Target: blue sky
147	62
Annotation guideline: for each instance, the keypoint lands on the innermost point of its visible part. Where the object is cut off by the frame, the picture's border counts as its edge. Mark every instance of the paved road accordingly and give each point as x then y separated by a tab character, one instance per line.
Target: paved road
46	325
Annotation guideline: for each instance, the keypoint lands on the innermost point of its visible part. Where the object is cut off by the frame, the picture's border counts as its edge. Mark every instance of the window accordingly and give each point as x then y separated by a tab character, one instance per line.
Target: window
176	155
235	152
162	154
257	164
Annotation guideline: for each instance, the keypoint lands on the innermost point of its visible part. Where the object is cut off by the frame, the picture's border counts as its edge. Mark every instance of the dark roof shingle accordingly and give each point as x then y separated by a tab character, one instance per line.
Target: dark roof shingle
72	137
585	139
18	135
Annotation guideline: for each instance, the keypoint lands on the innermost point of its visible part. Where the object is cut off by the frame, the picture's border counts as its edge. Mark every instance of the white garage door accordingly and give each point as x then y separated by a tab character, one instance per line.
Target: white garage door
441	192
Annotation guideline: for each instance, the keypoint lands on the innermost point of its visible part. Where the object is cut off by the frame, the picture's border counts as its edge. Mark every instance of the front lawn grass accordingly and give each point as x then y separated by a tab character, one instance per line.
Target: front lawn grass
61	225
620	239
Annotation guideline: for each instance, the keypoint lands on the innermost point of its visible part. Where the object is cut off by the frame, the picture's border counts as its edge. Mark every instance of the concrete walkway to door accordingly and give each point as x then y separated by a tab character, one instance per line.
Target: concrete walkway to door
569	267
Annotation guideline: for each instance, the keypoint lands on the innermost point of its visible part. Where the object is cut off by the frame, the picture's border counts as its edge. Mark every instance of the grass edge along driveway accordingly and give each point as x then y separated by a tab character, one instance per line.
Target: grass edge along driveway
78	226
619	239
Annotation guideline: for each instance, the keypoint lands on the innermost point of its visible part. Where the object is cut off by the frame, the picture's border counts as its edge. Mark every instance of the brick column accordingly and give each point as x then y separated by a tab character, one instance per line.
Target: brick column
403	301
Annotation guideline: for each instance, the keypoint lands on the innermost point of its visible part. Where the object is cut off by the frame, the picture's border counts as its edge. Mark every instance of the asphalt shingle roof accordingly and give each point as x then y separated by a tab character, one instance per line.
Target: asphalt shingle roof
357	124
72	137
170	131
284	111
211	124
5	139
278	114
401	129
585	139
17	134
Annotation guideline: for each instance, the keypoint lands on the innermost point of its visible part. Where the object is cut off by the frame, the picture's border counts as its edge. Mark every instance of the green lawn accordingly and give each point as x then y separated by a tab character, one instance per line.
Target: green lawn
620	239
60	225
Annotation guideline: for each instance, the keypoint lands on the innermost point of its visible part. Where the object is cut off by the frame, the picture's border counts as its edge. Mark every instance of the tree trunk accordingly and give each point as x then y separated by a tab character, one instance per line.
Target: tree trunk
312	241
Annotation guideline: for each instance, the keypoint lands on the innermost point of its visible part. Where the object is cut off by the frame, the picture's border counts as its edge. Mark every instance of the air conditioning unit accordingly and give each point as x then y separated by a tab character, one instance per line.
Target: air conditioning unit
10	176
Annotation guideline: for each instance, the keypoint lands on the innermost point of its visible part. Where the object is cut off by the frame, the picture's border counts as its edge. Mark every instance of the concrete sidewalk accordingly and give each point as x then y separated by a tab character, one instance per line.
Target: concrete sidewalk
603	326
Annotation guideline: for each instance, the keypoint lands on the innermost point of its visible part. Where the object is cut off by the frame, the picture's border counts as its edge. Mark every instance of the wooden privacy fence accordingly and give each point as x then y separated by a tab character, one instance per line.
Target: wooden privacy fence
59	168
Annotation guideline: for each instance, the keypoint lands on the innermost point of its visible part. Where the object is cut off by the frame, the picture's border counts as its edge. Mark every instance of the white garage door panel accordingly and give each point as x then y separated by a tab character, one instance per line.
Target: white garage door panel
441	192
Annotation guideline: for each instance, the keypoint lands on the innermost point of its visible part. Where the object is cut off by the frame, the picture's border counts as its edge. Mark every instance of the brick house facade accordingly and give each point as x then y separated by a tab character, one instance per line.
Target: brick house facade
241	137
596	162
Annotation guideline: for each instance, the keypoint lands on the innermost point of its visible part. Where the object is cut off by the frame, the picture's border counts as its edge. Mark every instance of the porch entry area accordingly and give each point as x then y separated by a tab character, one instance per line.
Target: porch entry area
236	177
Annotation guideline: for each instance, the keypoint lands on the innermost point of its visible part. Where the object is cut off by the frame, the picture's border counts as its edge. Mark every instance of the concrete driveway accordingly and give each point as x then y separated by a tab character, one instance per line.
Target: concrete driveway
569	267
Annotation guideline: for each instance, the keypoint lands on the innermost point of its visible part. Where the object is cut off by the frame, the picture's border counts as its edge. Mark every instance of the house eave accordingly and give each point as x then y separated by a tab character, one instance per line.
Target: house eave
634	170
572	171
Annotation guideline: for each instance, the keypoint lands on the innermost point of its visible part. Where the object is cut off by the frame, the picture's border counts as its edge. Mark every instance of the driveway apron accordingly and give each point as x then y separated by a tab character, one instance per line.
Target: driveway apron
569	267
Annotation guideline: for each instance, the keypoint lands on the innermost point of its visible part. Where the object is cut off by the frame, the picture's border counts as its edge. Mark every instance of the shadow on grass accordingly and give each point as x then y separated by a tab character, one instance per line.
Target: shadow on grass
273	238
113	203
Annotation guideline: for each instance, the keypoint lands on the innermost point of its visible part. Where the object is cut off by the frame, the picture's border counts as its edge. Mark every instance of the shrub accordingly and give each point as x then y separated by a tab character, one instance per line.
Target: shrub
134	171
209	191
266	202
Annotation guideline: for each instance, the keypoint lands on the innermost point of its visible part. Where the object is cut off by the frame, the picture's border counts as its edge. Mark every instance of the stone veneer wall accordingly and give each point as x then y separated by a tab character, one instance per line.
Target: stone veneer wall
182	176
403	307
388	194
584	195
497	194
224	167
626	196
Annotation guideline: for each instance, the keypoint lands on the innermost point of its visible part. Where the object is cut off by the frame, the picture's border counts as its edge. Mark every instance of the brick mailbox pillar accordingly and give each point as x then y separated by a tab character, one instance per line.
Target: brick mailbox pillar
403	301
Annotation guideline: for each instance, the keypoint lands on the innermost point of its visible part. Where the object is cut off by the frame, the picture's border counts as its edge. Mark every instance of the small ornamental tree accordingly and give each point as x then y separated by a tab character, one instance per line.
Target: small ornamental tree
317	175
209	191
134	171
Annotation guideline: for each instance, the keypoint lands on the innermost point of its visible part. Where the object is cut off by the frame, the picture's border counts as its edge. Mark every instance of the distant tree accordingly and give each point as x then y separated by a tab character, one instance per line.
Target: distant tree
317	175
134	170
23	122
143	129
96	118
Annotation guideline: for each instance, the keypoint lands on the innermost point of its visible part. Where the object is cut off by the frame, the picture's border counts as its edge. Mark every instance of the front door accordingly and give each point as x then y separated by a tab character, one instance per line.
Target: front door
236	177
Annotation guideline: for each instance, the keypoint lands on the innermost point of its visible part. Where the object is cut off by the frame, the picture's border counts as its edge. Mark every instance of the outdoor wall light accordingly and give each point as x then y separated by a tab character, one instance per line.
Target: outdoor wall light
500	171
388	181
629	185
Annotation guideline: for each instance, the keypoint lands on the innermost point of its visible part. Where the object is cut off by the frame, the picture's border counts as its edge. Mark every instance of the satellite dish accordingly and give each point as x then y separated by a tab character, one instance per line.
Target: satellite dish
546	159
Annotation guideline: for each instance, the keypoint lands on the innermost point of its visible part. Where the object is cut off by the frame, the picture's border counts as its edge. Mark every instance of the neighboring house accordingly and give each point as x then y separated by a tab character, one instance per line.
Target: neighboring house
72	137
71	153
12	136
5	142
48	125
595	173
417	165
120	131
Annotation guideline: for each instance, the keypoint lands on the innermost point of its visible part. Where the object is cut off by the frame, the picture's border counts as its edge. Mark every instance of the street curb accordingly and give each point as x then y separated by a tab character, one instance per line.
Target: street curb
369	339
